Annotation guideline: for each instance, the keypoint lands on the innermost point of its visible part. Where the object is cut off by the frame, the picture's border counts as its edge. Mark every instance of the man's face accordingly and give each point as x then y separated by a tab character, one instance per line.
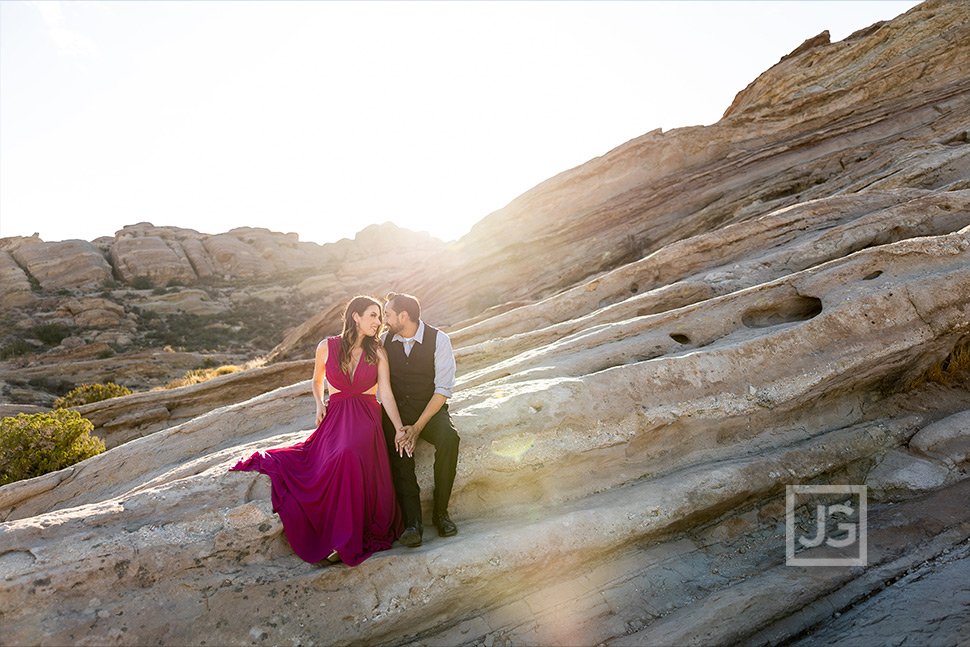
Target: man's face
393	319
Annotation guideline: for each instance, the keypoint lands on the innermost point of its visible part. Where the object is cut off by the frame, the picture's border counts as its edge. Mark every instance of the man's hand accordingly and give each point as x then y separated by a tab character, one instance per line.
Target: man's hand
405	439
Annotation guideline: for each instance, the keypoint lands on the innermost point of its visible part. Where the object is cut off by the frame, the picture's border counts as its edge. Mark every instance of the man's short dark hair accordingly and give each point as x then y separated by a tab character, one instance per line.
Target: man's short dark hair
405	303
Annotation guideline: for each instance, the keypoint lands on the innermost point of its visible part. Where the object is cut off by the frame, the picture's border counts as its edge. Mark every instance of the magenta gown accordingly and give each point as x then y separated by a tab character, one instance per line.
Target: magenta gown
333	491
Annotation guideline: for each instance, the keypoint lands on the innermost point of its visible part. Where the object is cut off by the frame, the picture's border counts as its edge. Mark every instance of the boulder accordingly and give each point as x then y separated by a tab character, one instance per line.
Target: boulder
65	264
234	259
198	257
15	287
151	256
902	474
319	284
196	302
947	440
93	312
272	294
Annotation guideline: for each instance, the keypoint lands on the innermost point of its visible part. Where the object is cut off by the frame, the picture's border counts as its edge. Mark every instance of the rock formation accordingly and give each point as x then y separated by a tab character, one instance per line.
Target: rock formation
880	111
14	285
693	322
69	263
149	256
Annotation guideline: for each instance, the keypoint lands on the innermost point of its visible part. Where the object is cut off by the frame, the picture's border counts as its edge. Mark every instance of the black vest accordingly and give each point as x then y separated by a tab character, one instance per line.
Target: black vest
412	376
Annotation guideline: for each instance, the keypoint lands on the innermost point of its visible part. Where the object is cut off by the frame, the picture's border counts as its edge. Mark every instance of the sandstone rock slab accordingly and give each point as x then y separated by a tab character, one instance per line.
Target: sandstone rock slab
65	264
947	440
152	257
901	473
15	290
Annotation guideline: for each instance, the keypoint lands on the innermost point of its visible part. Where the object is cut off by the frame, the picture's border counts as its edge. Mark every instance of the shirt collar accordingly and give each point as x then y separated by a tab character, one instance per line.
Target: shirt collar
418	336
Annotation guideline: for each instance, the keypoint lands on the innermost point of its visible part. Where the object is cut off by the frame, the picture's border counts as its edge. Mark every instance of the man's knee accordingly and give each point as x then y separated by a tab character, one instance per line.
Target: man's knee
448	442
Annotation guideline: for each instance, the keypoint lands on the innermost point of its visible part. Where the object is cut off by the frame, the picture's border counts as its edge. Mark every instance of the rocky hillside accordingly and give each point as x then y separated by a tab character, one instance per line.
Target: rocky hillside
151	303
651	347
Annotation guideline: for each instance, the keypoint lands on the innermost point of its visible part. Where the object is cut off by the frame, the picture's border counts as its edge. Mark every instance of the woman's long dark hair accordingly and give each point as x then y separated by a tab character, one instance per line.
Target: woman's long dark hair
348	338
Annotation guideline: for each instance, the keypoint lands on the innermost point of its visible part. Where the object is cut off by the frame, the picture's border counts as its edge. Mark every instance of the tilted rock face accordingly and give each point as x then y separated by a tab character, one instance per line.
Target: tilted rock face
234	259
709	265
93	312
150	256
65	264
690	430
198	257
14	285
886	110
628	432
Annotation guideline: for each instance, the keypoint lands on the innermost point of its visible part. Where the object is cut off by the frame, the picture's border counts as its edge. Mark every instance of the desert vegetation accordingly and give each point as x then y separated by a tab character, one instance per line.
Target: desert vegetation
32	445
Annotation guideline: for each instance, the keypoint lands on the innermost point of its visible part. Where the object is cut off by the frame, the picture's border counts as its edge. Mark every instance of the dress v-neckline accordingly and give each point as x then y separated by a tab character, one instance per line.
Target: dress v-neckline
353	371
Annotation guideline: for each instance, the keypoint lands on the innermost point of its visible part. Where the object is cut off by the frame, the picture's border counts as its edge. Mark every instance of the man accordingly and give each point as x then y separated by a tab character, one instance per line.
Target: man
422	366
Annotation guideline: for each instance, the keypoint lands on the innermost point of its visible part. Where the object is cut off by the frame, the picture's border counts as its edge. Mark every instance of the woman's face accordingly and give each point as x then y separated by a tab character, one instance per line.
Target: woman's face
369	322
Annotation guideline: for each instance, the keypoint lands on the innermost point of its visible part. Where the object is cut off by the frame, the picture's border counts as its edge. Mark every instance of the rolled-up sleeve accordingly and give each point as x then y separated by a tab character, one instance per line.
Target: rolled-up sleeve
444	366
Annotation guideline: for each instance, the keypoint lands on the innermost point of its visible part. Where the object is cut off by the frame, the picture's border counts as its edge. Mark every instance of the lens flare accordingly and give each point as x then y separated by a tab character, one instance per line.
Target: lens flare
513	447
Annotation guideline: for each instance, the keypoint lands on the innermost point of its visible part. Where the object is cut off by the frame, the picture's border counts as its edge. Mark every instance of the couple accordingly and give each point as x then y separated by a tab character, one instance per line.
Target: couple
335	491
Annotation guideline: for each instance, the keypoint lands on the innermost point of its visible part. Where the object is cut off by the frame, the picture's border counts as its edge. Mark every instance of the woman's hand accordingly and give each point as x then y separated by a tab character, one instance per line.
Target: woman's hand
404	440
320	414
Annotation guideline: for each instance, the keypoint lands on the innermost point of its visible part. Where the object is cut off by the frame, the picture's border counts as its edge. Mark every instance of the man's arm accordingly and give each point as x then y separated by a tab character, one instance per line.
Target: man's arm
434	405
444	381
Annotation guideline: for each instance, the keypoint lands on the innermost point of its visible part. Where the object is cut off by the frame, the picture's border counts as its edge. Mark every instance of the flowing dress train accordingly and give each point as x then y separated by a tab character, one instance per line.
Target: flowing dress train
333	491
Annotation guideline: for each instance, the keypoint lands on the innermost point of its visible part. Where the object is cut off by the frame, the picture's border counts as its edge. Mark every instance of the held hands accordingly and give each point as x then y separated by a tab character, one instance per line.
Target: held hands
404	440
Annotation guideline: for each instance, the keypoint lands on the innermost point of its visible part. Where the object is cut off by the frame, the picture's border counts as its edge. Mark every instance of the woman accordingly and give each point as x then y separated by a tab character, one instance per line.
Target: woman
333	491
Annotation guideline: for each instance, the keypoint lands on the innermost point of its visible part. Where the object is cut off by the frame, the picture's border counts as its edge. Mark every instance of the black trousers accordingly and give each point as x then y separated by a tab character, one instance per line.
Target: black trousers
440	432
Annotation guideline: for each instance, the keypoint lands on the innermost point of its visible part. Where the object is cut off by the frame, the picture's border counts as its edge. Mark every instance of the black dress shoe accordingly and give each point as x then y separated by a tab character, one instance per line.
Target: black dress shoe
446	527
411	537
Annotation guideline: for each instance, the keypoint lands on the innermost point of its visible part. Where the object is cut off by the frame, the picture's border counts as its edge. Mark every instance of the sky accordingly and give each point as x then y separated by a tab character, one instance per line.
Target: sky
324	117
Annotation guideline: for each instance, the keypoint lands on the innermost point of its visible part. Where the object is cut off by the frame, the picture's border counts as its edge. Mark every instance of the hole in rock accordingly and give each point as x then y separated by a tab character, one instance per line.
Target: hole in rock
634	288
788	310
874	275
679	338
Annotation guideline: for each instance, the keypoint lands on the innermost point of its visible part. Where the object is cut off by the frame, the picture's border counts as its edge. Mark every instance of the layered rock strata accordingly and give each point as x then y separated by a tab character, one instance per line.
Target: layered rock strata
15	289
883	110
629	425
70	263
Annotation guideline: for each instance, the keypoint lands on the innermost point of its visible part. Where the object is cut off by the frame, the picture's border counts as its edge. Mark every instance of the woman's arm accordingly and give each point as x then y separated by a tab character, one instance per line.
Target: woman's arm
319	376
387	399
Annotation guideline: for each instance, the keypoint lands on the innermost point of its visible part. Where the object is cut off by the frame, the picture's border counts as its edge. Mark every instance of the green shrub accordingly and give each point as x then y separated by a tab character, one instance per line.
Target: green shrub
34	283
31	445
16	349
88	393
51	333
142	283
110	284
106	353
